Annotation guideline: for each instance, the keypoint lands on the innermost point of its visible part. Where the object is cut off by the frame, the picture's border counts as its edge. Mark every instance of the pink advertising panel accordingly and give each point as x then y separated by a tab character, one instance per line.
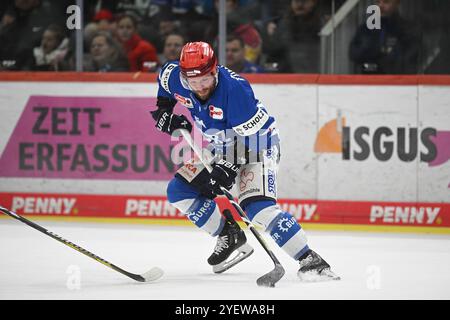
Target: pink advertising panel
88	138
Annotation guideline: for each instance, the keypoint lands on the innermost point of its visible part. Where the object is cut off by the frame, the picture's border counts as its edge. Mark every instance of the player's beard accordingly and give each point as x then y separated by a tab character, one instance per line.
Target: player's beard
206	93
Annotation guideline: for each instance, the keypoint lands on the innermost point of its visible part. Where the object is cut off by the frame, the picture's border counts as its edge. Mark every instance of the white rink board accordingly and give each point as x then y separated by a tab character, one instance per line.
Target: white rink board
300	111
294	108
372	179
434	111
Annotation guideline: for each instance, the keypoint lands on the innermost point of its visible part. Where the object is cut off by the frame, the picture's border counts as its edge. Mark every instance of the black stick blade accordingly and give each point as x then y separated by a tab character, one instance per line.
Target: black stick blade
269	279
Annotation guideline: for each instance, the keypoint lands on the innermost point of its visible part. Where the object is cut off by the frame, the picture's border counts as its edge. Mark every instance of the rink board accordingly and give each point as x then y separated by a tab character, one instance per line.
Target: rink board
356	151
316	214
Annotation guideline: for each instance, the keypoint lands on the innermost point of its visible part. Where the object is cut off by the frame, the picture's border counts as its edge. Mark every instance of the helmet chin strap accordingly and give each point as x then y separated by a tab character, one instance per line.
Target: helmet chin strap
216	77
184	82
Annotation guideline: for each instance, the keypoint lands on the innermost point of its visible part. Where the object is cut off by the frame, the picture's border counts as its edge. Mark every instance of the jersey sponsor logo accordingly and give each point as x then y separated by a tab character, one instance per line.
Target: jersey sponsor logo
184	101
165	75
271	181
189	171
285	224
205	209
246	177
250	193
254	124
215	112
191	168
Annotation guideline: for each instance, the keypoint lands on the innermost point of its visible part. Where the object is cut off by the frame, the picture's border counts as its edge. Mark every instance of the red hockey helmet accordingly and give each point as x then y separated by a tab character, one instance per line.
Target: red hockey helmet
197	59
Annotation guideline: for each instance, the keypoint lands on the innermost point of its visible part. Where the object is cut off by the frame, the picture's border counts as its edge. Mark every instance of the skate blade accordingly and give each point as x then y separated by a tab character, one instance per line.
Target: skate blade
313	276
243	252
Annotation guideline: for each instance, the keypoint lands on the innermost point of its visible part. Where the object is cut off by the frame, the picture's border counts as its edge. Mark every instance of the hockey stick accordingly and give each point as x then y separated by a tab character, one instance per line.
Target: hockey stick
151	275
269	279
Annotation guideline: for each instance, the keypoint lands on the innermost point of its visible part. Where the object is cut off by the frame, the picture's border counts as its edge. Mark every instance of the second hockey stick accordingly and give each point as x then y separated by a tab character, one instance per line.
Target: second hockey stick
151	275
269	279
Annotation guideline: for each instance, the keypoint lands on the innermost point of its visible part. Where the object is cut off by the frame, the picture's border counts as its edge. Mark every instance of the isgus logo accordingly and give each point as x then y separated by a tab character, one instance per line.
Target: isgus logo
384	143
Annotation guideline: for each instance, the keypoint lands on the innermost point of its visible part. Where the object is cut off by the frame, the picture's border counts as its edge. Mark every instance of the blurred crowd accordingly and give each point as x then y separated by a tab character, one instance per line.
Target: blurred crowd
141	35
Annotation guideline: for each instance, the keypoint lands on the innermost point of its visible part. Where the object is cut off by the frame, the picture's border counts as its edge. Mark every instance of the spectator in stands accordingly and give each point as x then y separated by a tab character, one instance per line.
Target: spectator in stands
142	10
181	8
103	21
236	61
173	44
141	53
167	24
106	55
3	6
21	29
52	51
239	23
186	16
293	44
145	12
393	49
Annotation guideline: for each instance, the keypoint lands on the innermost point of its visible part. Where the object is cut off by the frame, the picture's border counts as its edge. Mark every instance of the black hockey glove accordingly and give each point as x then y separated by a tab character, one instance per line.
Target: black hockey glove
166	121
223	175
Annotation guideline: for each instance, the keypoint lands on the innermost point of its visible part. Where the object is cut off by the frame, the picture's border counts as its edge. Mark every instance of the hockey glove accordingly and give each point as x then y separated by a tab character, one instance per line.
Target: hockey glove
168	122
223	175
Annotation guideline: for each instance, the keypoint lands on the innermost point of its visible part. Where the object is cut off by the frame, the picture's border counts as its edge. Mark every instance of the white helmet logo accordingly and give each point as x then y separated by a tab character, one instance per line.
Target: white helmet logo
192	73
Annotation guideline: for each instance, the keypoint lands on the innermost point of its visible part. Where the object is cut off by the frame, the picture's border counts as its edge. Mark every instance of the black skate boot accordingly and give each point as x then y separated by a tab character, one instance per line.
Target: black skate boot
314	268
231	240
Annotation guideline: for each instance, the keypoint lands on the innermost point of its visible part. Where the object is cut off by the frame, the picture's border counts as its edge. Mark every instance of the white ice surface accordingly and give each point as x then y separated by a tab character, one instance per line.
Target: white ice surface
372	266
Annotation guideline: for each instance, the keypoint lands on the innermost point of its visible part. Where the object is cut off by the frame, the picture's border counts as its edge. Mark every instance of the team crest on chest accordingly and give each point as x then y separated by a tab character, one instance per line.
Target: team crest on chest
184	101
215	112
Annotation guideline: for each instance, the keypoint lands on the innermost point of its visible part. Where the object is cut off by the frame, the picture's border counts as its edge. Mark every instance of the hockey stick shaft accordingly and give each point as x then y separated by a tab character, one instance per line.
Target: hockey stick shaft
72	245
198	151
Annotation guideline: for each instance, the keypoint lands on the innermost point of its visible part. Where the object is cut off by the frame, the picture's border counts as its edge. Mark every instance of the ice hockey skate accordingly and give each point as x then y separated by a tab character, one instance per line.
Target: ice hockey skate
314	268
231	247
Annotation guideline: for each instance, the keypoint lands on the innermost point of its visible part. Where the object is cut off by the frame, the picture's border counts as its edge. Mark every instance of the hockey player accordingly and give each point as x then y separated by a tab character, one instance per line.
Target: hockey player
246	152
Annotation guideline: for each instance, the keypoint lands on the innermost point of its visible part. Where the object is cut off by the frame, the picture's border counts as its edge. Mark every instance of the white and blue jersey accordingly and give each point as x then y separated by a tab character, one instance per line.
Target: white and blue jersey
232	105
